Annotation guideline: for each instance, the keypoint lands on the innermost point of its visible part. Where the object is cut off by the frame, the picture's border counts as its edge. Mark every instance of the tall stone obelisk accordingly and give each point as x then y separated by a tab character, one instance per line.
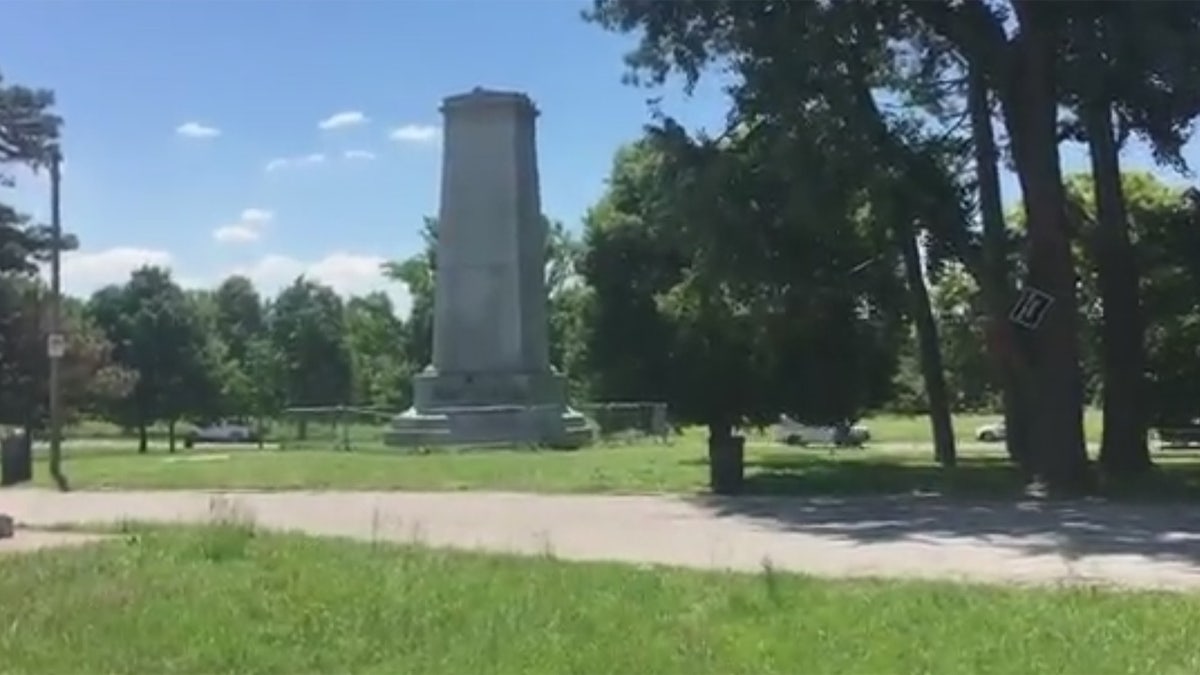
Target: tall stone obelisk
490	381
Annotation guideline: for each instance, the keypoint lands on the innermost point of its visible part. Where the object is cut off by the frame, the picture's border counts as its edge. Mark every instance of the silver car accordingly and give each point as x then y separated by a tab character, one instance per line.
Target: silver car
990	433
791	432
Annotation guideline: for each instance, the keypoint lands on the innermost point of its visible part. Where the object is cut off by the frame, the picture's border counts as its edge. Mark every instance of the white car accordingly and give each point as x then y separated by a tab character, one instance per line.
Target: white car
990	433
220	432
791	432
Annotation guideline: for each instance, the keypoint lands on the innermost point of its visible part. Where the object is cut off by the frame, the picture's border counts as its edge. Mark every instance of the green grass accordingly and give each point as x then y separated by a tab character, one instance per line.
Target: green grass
641	468
227	599
899	460
647	468
884	428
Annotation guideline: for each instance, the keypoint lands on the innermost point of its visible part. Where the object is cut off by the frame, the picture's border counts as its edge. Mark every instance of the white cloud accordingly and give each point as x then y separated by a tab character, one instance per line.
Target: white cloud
347	273
86	272
415	133
257	216
197	130
248	228
291	162
348	118
235	234
358	154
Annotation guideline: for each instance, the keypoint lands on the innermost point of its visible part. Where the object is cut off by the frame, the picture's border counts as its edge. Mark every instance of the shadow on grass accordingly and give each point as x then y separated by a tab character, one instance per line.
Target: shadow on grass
877	499
873	475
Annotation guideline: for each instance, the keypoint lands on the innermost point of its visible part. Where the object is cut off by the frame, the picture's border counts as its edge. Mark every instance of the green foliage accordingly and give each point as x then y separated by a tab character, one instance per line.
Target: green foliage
159	333
239	316
28	133
970	371
712	288
307	328
375	338
90	379
418	274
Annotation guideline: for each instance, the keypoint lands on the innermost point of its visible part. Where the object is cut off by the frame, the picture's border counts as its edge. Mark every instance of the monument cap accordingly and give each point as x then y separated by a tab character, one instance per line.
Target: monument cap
480	98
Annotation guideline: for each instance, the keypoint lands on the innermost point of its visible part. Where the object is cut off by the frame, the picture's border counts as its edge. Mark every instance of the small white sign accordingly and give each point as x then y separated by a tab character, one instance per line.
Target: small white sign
1031	308
56	345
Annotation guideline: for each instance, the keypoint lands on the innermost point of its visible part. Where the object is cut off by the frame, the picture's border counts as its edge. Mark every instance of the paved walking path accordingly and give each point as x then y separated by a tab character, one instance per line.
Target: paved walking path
1140	546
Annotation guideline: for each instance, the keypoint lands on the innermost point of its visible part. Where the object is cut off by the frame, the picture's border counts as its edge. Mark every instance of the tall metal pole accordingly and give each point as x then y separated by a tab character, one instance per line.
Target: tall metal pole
55	342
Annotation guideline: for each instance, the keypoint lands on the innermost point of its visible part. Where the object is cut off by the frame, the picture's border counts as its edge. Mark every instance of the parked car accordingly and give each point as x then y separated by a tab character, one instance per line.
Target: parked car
791	432
220	432
1178	434
990	433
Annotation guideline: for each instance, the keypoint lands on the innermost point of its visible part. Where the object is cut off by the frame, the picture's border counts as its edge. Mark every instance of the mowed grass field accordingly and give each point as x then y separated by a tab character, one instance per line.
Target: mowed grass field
228	599
897	461
891	429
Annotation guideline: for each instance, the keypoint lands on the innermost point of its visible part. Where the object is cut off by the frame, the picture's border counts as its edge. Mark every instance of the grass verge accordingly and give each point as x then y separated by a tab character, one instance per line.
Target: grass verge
646	468
228	599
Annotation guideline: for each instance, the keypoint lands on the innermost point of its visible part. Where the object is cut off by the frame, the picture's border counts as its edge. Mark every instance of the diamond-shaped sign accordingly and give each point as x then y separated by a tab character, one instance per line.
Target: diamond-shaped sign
1030	309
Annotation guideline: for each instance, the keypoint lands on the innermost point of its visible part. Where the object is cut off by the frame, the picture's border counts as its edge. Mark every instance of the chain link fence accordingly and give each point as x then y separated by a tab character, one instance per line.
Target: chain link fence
628	421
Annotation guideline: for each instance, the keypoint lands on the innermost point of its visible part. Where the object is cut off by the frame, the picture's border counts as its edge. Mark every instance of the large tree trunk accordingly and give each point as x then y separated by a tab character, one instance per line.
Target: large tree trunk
171	436
1006	351
1030	110
1123	449
932	370
143	441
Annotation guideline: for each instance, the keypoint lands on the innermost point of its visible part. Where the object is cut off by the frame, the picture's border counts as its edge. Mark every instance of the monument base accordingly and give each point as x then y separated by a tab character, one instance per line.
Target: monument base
500	425
489	409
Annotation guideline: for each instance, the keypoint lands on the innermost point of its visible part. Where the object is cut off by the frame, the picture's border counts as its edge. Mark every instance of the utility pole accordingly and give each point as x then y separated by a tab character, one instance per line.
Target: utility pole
55	343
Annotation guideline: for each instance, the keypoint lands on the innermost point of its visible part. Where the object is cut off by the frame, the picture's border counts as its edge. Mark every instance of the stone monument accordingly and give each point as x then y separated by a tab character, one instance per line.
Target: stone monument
490	381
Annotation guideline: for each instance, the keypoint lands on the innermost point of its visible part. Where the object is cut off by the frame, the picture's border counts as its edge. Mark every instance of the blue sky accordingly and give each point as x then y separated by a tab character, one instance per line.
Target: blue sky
194	129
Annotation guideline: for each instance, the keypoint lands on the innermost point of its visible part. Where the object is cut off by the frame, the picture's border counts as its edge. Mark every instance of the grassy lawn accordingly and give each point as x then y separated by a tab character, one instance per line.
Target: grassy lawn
899	460
644	468
639	468
225	599
884	429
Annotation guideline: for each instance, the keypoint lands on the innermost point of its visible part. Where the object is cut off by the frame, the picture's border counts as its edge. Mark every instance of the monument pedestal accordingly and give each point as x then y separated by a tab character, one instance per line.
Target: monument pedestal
485	409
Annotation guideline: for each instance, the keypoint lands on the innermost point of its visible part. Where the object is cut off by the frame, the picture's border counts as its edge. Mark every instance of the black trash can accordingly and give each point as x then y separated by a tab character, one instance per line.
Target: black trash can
16	459
726	464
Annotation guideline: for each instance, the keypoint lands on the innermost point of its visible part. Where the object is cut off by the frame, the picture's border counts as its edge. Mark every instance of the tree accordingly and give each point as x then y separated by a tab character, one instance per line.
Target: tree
28	128
418	273
972	377
1136	70
715	287
375	338
308	330
157	333
1163	220
239	316
89	378
263	370
564	298
805	66
627	265
28	131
